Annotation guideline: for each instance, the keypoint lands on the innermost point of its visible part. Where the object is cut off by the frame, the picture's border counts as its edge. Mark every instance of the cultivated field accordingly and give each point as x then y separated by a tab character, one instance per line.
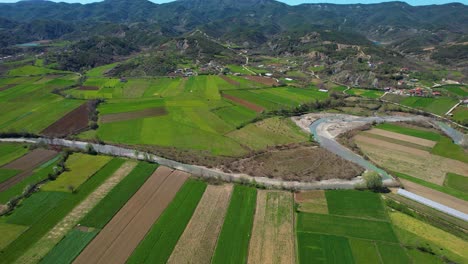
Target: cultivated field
71	123
197	243
233	241
116	242
272	238
25	165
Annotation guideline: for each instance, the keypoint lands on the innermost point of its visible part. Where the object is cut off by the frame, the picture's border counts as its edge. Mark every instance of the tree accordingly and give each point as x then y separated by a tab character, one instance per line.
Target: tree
373	180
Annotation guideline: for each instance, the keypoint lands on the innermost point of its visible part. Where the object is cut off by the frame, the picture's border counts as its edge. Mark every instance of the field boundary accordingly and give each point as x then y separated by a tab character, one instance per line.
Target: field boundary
196	170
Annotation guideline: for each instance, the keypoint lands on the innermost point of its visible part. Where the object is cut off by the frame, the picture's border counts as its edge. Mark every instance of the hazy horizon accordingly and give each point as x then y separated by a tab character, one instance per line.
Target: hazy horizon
295	2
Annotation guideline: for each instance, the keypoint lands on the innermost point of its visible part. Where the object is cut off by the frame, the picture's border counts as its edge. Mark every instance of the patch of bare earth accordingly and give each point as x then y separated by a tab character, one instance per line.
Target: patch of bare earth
48	241
297	162
6	87
150	112
229	80
312	202
73	122
197	243
263	80
415	140
119	238
436	196
245	103
26	165
410	161
273	230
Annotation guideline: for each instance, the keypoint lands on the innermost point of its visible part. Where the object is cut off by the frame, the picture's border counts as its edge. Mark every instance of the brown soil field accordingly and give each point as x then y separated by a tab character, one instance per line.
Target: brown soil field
6	87
229	80
272	238
245	103
312	202
88	88
262	80
301	163
26	164
119	238
410	161
150	112
416	140
197	243
71	123
436	196
40	249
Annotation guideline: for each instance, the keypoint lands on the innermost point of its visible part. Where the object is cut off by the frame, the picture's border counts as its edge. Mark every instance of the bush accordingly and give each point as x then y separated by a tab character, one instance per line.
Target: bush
373	180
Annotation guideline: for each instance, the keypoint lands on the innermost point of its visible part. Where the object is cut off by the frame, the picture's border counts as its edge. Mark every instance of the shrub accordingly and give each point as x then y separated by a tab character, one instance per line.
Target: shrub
373	180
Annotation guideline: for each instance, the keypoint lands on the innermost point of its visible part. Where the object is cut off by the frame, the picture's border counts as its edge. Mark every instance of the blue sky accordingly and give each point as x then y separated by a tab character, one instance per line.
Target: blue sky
295	2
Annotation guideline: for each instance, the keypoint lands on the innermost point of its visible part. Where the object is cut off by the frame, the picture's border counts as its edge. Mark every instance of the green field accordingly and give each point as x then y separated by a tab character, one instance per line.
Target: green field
38	175
38	107
9	233
364	251
318	248
235	115
345	226
453	185
160	241
99	71
392	253
438	106
446	148
30	70
233	241
6	174
457	182
11	151
460	115
35	207
410	131
103	212
269	132
70	247
353	203
374	94
27	239
80	168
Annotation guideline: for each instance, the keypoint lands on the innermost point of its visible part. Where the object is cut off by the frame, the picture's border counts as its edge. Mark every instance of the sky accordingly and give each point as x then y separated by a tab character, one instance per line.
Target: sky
295	2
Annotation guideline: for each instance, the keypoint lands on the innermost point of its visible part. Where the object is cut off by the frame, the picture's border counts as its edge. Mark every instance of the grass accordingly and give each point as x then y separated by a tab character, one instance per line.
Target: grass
30	70
446	148
345	226
364	251
103	212
374	94
460	115
6	174
70	247
27	239
233	241
11	151
364	204
410	131
38	175
319	248
440	238
457	182
9	233
80	168
35	207
450	187
235	115
160	241
392	253
438	106
269	132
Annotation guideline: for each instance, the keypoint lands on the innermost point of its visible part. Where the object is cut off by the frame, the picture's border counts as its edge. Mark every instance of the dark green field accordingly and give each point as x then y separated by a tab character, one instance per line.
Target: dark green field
233	241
